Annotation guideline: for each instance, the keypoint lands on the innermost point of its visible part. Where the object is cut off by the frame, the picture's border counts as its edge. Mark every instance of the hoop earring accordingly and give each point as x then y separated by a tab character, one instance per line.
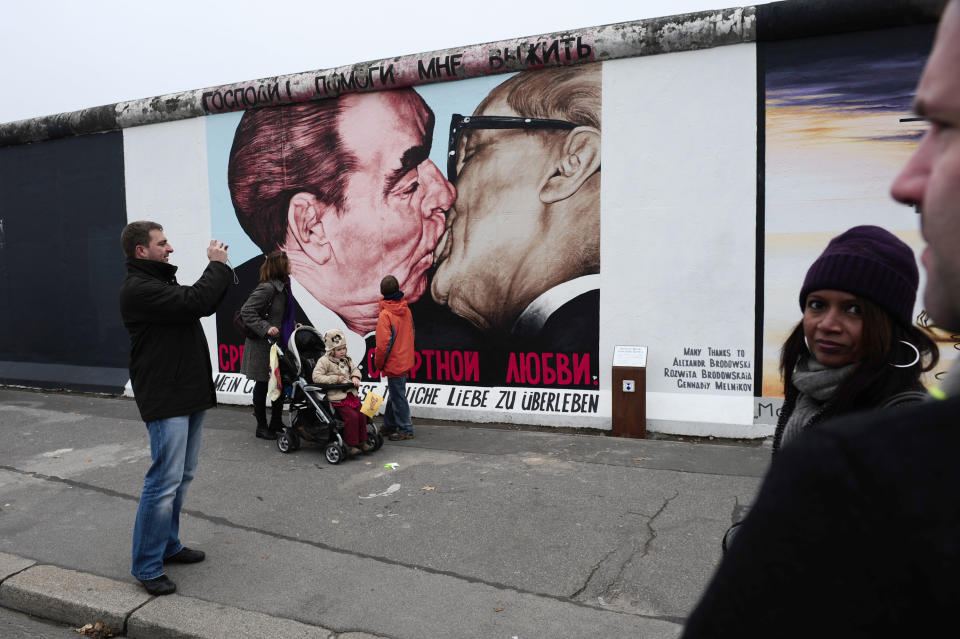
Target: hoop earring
913	363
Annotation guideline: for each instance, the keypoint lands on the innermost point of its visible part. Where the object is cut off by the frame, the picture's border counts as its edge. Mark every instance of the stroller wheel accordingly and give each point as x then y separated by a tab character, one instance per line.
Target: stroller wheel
333	452
374	435
287	441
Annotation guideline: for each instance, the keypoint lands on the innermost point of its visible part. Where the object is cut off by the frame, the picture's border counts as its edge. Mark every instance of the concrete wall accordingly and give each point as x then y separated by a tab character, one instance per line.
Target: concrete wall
681	218
679	229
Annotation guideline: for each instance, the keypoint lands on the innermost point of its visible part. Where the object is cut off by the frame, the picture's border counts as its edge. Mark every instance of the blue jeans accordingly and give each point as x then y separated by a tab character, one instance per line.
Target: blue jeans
174	448
397	415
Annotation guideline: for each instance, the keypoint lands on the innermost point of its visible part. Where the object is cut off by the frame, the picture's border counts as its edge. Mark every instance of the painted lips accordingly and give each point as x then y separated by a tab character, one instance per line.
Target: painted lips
444	245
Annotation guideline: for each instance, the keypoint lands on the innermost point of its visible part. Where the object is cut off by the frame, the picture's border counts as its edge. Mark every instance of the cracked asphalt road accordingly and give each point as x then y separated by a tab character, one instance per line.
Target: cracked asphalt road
478	531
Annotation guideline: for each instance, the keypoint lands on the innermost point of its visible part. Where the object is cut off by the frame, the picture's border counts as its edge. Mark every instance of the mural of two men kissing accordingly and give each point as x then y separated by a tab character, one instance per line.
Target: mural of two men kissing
499	258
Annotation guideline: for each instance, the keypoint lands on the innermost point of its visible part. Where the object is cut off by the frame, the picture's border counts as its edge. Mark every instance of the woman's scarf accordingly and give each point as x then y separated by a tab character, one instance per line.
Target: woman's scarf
817	384
288	323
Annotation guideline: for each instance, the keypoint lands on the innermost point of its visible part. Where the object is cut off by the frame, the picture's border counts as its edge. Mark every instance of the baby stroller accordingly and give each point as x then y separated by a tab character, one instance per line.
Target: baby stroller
312	417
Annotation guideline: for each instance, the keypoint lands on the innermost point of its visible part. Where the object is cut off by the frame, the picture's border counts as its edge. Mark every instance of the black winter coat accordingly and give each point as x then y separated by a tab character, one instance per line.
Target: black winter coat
855	533
170	367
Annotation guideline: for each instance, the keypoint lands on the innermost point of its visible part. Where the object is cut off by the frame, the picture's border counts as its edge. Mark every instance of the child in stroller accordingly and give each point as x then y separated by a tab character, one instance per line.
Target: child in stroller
336	367
312	415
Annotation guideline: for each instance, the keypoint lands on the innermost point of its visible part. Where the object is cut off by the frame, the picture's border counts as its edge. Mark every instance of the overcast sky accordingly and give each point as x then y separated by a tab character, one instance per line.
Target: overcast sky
64	55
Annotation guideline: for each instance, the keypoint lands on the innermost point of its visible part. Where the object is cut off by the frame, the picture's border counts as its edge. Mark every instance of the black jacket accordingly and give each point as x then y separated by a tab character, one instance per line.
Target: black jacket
169	360
855	533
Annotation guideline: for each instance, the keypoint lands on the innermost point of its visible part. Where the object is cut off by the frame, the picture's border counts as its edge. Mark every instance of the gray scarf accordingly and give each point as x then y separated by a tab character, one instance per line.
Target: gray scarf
817	384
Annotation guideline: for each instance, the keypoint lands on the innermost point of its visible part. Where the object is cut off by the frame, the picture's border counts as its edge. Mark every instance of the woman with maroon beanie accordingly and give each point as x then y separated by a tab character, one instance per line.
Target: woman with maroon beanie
856	347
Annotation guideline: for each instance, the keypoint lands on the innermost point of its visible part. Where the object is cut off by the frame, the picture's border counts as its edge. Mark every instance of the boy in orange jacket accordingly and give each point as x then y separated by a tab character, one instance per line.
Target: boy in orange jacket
394	357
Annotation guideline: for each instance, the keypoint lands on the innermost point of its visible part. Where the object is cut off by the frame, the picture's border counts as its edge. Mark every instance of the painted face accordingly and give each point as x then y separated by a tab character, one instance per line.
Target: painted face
158	250
833	326
931	179
395	201
492	254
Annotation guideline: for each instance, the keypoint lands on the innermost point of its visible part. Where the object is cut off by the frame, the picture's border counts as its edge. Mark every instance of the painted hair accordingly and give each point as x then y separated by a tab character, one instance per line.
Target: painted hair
136	234
566	93
281	151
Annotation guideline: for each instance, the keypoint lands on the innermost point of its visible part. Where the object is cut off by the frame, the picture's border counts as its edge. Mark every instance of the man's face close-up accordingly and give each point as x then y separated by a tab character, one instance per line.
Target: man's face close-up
159	248
497	222
931	179
395	199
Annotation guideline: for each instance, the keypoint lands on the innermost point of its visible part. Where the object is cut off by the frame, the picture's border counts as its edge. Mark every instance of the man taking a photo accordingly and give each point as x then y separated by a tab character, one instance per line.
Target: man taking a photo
172	381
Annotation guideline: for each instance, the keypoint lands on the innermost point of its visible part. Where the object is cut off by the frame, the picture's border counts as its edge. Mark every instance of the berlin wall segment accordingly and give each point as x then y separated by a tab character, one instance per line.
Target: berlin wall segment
488	376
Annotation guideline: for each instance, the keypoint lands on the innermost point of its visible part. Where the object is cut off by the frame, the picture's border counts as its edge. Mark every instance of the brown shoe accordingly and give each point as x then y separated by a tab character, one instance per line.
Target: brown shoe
395	437
352	450
366	446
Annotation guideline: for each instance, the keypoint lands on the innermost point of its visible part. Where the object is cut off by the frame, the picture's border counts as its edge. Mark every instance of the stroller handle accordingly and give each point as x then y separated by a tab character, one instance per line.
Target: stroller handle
330	387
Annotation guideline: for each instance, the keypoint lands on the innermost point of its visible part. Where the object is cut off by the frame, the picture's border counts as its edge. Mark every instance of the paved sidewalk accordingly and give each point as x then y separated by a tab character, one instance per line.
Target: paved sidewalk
475	531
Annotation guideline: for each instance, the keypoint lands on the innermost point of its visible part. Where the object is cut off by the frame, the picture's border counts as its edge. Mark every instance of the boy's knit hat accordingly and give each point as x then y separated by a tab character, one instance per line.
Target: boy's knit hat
869	262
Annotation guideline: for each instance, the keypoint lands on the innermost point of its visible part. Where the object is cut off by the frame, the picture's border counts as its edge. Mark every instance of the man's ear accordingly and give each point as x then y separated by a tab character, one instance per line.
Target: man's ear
140	252
579	159
305	216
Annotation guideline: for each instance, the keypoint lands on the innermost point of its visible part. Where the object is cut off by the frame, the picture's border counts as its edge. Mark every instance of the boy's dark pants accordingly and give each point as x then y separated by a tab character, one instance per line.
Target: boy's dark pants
397	416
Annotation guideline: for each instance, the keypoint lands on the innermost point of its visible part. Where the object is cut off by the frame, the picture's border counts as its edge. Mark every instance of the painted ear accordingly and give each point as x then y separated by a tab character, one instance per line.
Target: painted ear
305	216
579	159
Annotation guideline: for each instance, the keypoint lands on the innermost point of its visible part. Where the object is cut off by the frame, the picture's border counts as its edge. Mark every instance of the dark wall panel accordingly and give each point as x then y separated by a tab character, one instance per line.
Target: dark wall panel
807	18
62	208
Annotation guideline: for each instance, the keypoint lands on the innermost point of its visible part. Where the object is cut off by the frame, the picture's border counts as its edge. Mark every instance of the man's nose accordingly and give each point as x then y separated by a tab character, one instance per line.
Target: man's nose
438	193
909	186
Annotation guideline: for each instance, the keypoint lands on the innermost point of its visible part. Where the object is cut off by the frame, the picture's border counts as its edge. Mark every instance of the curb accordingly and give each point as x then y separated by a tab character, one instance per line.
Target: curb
71	597
77	598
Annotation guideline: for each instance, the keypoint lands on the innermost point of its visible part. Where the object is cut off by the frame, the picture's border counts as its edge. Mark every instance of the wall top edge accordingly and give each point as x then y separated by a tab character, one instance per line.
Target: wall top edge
653	36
